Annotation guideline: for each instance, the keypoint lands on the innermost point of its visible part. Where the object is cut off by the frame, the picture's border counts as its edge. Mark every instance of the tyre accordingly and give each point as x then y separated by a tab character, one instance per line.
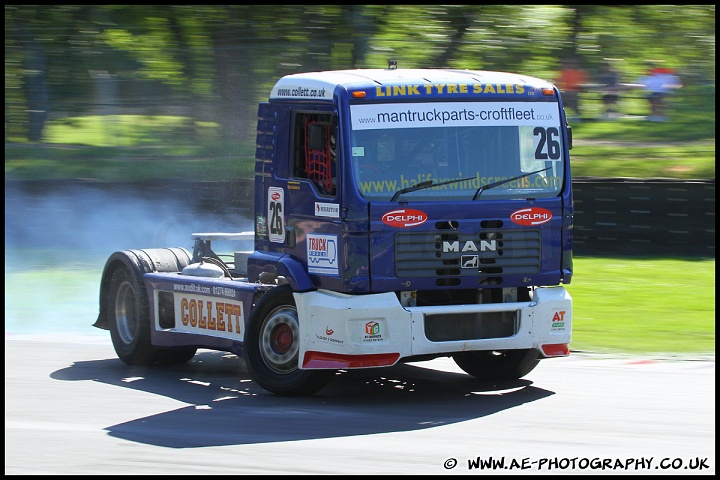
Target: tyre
498	365
272	347
129	322
128	319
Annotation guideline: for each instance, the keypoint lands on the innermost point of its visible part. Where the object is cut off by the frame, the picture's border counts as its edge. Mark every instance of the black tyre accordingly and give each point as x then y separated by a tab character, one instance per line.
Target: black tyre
498	365
129	322
272	347
129	319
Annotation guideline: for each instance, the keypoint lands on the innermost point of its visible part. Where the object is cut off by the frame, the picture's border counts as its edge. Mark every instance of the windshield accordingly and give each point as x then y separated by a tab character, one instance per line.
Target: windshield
462	146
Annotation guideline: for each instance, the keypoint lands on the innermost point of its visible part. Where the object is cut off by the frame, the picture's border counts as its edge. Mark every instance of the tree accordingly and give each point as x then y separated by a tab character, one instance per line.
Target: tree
218	61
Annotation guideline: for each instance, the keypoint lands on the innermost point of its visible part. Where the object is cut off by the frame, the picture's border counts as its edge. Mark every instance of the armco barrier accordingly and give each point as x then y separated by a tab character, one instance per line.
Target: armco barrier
648	217
613	216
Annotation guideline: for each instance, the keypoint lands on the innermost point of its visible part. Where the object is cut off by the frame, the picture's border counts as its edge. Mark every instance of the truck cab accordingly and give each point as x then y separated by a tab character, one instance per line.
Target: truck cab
434	182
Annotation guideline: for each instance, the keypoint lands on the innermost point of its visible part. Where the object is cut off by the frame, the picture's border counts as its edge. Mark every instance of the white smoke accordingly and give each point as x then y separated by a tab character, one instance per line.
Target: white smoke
57	242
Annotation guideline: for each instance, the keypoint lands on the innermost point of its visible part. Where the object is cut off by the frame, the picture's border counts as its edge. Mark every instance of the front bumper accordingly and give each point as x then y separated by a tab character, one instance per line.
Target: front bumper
358	331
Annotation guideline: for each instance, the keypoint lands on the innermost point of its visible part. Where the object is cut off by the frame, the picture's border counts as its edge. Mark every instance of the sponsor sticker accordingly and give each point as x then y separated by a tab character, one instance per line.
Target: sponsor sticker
372	332
209	316
328	336
322	254
327	210
276	214
405	218
558	322
531	216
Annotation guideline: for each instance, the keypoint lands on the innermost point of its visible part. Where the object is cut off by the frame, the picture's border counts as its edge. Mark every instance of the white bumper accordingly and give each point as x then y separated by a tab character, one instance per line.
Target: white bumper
357	331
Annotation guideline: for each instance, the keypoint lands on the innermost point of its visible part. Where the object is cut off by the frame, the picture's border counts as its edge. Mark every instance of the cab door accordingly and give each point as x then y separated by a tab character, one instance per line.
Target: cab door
314	229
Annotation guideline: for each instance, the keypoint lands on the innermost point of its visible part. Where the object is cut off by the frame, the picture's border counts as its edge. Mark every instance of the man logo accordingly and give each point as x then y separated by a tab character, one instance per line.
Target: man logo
470	246
469	261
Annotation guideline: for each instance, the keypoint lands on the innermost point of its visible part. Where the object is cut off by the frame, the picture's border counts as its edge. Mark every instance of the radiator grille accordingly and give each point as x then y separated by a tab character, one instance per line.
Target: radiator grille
471	326
455	254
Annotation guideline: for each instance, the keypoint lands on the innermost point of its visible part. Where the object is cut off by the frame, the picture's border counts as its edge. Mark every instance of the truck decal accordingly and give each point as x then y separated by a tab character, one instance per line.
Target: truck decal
276	211
322	254
392	185
372	332
327	210
408	115
306	90
193	288
531	216
448	89
327	337
204	314
405	218
558	322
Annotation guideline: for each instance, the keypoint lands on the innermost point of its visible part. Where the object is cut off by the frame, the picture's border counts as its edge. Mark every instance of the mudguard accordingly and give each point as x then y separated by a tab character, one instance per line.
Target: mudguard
139	262
282	265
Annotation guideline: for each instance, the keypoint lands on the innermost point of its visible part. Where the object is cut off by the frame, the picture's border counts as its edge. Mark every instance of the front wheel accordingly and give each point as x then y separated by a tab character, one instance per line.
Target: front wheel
272	345
498	365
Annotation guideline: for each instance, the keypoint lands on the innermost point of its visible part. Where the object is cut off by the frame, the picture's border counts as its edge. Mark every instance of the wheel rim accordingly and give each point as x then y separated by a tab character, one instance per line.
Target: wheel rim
278	342
126	316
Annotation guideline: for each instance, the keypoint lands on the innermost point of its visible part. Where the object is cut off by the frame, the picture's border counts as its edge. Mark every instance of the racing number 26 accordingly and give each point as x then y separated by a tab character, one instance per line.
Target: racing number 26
547	142
276	218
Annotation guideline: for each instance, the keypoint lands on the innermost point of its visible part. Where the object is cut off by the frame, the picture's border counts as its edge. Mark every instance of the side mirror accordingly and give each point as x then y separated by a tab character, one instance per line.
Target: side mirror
568	129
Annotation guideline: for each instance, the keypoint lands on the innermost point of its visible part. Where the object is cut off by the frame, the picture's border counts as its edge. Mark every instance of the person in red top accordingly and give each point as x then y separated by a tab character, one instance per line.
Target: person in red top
571	81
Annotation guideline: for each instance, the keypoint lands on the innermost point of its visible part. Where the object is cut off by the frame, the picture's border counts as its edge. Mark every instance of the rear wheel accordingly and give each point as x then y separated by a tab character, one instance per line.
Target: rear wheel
129	322
498	365
272	344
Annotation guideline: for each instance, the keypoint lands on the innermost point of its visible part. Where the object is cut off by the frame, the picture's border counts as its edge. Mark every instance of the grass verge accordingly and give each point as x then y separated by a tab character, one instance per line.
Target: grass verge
643	305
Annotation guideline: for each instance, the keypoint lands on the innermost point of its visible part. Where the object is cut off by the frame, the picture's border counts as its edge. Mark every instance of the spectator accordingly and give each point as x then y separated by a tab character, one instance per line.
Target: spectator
570	82
609	80
659	83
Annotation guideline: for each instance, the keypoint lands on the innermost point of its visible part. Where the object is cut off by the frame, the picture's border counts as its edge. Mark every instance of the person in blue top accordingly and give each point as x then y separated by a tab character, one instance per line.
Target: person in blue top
659	83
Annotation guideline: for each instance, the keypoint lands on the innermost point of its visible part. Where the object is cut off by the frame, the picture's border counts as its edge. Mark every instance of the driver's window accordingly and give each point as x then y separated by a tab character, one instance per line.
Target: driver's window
316	150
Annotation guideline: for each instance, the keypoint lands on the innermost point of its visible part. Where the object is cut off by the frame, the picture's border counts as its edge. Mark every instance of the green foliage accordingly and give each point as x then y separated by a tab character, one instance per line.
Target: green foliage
218	57
130	148
95	69
692	161
127	130
643	305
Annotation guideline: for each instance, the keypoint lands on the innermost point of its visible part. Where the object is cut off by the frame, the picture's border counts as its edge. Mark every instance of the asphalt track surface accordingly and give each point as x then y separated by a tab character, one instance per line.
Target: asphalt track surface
71	407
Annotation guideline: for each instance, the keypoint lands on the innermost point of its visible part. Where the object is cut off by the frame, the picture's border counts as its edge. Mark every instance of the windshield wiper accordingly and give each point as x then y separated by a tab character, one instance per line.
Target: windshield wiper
426	184
493	185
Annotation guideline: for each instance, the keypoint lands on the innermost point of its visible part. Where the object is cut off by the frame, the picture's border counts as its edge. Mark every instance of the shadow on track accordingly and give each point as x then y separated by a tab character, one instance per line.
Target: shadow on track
227	408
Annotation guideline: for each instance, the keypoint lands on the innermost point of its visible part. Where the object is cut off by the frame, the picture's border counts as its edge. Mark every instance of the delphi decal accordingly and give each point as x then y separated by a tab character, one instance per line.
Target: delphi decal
404	218
531	216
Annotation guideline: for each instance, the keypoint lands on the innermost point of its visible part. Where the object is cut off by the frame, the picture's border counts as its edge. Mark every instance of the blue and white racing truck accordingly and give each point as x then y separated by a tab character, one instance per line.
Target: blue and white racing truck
400	215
